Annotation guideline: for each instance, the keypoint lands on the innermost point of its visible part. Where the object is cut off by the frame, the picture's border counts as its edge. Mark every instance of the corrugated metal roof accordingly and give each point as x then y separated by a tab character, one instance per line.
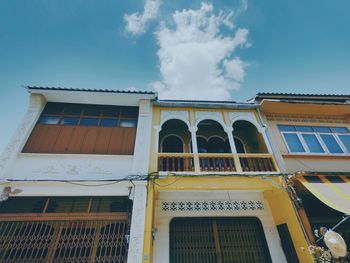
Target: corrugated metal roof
295	97
90	90
301	94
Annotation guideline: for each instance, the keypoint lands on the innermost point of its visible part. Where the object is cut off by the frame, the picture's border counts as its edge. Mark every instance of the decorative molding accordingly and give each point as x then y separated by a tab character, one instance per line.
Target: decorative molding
211	205
209	115
307	118
245	116
172	114
72	169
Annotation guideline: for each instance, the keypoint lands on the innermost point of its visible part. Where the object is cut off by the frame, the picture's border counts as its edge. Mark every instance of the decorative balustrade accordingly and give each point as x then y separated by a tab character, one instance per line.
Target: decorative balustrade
217	163
176	162
257	163
211	162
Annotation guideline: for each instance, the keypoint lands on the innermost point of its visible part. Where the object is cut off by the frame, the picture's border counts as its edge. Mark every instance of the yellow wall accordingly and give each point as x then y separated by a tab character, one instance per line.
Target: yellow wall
308	162
284	213
279	202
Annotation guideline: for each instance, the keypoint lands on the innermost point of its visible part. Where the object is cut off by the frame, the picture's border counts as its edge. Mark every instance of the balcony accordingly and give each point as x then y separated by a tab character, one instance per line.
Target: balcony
213	152
213	163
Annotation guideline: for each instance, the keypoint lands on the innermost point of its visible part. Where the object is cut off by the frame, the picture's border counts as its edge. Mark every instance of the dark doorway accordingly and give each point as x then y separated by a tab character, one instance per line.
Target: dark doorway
218	240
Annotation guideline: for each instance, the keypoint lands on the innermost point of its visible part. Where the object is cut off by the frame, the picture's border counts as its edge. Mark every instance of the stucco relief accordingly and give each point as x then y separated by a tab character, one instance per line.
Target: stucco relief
247	116
203	115
181	115
72	169
14	146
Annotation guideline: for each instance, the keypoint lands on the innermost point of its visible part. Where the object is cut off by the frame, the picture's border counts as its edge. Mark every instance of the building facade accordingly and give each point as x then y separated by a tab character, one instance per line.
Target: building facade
311	135
121	176
216	192
74	176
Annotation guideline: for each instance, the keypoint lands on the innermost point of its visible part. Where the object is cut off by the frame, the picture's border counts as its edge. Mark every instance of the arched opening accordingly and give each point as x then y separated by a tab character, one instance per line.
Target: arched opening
211	138
172	144
240	148
247	134
174	137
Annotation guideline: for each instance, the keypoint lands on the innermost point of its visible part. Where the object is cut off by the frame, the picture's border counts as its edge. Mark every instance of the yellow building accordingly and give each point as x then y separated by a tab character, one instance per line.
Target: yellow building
312	140
216	192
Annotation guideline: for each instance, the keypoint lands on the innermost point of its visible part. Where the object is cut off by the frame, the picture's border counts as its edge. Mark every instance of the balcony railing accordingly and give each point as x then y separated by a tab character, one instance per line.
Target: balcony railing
211	162
217	163
176	162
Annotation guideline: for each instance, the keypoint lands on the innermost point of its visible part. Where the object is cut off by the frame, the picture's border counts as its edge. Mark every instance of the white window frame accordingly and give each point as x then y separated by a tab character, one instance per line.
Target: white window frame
319	139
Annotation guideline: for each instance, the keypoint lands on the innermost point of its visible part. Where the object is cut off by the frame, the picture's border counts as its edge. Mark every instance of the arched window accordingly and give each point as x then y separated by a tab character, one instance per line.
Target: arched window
239	145
172	144
218	145
202	145
211	137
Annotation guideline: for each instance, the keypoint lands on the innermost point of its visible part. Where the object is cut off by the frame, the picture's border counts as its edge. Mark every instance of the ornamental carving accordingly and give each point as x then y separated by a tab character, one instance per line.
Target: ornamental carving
170	114
209	115
212	205
307	118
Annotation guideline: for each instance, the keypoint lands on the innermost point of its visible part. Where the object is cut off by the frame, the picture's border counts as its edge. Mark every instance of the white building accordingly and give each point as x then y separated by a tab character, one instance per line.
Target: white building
74	171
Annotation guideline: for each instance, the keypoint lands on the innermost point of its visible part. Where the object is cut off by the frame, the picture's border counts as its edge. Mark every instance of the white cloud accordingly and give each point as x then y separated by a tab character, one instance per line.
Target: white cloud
196	59
136	22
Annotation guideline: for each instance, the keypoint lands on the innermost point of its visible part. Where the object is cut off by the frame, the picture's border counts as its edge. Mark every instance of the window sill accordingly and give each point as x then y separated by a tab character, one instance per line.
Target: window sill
312	155
72	155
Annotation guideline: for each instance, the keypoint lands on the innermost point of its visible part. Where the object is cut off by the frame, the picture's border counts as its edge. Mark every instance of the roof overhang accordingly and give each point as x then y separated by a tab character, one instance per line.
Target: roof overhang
85	96
300	107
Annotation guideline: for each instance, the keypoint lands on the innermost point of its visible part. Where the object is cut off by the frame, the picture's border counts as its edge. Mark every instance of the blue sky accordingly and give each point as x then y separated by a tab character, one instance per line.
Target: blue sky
267	46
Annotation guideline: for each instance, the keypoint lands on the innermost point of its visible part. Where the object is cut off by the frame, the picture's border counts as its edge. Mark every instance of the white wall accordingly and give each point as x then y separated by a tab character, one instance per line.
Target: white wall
163	218
70	167
40	174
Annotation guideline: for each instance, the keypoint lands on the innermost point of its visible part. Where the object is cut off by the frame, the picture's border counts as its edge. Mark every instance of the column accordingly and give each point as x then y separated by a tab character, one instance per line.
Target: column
231	140
138	218
193	130
157	129
229	131
143	139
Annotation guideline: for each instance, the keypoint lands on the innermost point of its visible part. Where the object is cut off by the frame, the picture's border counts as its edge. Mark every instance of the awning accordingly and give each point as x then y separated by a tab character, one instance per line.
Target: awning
332	190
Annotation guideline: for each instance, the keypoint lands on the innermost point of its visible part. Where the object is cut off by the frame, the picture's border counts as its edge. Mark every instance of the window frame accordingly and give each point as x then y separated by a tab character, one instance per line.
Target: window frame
119	117
324	147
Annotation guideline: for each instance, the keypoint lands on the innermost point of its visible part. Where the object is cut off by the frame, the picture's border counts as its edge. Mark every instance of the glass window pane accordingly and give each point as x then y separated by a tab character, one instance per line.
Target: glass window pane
346	141
129	112
294	143
286	128
89	121
109	122
111	111
313	143
73	109
304	128
339	130
92	111
128	123
53	108
49	120
322	129
331	143
69	121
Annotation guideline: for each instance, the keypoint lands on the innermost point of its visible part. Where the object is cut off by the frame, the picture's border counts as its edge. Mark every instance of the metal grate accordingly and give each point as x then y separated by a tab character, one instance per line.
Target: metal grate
63	241
218	240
